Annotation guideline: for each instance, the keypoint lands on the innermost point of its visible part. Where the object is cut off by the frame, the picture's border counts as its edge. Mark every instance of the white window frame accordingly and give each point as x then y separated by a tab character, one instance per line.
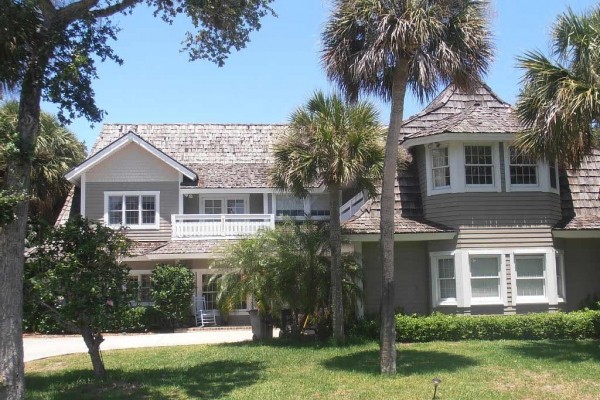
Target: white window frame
200	290
551	293
456	161
305	206
435	279
433	168
559	258
496	178
244	197
155	225
543	176
530	299
502	295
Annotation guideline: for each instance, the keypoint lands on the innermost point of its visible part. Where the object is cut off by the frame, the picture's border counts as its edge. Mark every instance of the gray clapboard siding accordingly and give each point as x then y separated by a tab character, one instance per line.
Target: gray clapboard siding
582	270
411	277
256	203
487	209
169	204
504	237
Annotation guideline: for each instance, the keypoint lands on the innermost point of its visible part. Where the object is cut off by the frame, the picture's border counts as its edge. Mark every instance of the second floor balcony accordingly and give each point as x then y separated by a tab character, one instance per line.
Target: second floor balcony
199	226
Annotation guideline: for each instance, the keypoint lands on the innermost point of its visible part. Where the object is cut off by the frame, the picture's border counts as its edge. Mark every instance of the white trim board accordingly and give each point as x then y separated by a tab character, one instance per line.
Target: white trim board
74	174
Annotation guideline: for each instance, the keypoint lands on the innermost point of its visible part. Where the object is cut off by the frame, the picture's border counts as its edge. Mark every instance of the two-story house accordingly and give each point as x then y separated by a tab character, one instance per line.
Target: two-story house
480	228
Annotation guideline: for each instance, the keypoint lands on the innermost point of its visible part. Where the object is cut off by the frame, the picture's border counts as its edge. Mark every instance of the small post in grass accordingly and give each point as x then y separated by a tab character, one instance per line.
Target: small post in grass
436	382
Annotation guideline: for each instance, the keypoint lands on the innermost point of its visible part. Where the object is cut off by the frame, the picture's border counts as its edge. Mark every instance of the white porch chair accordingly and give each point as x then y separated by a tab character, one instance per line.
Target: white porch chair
203	316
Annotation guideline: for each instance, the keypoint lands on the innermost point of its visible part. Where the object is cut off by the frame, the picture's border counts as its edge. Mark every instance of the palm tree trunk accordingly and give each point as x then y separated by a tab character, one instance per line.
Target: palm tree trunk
12	243
93	342
335	232
388	324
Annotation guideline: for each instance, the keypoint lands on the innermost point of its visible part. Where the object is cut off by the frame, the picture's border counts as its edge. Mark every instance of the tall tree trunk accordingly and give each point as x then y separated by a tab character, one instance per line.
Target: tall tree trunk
387	351
93	341
12	242
335	235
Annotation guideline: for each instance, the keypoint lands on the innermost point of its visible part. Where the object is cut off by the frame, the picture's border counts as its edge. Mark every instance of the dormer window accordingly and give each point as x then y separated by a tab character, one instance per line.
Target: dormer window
134	210
523	169
479	165
440	167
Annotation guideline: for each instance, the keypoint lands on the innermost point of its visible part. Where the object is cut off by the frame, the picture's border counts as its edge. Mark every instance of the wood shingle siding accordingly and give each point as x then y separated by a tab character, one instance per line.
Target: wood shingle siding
169	204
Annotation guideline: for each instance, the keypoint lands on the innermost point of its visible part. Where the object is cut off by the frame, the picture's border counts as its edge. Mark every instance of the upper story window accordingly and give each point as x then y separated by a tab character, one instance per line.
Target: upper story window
440	167
485	166
235	206
479	165
135	210
523	169
289	206
213	206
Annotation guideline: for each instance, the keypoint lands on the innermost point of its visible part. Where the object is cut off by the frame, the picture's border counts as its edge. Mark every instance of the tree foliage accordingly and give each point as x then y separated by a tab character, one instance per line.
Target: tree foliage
287	267
559	101
335	145
75	273
172	289
56	151
49	49
383	47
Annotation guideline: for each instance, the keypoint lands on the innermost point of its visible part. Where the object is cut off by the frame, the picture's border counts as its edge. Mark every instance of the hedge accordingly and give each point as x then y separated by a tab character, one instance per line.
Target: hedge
535	326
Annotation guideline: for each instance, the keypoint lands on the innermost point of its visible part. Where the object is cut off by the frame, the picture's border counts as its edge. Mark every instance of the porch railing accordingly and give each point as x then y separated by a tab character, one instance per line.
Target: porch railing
193	226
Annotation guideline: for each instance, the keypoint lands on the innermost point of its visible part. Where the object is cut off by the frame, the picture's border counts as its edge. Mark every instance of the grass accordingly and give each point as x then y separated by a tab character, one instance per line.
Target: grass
281	370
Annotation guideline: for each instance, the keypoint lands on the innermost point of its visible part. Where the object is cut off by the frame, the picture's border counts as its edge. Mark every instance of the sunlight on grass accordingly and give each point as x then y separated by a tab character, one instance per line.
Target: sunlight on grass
469	370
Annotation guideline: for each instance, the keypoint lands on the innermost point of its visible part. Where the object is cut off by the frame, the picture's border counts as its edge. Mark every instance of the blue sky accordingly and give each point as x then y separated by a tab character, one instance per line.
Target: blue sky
275	73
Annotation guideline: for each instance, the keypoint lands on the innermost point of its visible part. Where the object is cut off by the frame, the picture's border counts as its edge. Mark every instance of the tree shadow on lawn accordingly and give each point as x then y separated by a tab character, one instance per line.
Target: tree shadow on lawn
568	350
211	380
409	362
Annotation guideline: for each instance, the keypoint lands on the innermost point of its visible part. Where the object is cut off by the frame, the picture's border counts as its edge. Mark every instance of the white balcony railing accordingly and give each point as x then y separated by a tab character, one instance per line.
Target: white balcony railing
352	206
197	226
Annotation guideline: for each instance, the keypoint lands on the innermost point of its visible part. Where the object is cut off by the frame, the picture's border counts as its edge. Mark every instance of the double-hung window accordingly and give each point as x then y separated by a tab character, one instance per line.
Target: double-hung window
444	278
440	168
531	277
523	169
136	210
479	165
485	278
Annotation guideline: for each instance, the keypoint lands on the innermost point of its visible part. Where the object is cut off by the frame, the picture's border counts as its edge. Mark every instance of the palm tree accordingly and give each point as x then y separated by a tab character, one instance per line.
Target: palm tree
559	101
56	151
383	47
337	146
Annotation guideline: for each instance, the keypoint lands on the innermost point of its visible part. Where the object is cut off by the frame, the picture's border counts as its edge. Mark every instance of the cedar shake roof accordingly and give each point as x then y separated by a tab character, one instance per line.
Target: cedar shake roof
408	215
452	101
580	195
207	246
143	248
475	119
70	207
222	155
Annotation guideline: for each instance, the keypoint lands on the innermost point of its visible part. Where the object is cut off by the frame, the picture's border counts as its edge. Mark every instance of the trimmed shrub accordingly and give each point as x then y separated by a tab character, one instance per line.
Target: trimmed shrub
535	326
172	289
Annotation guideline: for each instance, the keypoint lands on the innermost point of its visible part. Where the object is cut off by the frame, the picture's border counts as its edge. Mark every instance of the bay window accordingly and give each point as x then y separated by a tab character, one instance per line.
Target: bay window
443	278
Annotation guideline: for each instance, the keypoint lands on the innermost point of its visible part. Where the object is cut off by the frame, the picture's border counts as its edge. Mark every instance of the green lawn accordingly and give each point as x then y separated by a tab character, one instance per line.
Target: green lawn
279	370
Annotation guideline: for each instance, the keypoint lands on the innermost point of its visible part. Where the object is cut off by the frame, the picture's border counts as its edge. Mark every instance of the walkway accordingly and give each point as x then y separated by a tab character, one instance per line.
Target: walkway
37	347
